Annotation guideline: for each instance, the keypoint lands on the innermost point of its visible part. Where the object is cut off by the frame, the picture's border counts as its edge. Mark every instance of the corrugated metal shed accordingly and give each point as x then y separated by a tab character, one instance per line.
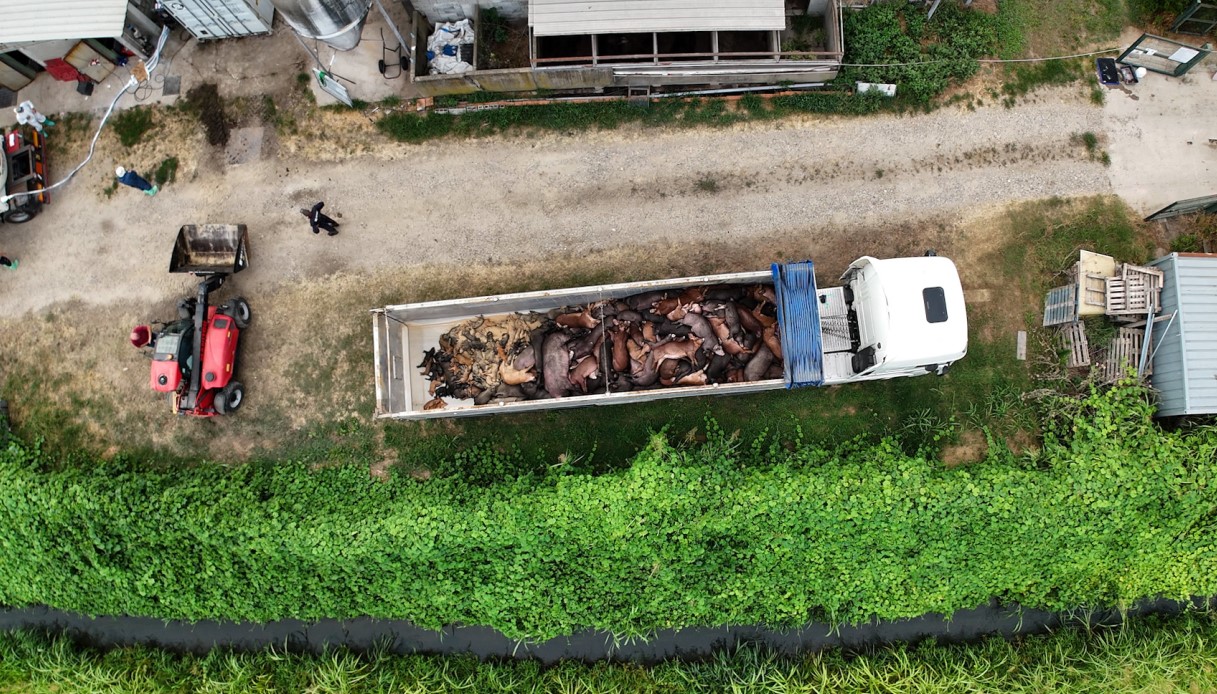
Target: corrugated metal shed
567	17
1185	357
50	20
218	19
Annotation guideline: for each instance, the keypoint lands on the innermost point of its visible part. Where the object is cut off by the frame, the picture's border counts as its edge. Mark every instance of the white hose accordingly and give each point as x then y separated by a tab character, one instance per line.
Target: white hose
131	83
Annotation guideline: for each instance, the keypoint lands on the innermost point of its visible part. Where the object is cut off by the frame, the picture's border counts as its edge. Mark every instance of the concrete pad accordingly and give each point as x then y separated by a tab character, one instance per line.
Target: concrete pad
244	145
358	69
1159	134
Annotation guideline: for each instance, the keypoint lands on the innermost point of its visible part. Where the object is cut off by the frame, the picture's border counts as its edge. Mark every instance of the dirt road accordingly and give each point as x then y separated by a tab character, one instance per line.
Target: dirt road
461	203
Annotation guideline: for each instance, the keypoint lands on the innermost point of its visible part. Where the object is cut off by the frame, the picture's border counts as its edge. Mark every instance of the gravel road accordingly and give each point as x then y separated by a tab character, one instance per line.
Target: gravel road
470	202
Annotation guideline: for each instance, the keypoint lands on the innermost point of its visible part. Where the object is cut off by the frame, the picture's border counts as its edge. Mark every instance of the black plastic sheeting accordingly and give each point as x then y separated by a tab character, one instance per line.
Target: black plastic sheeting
686	644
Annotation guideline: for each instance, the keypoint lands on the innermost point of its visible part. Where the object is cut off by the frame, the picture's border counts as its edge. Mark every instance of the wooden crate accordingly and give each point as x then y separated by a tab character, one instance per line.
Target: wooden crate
1134	292
1073	339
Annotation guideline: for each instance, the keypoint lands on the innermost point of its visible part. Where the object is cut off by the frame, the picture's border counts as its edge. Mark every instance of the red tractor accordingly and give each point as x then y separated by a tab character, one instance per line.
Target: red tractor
23	175
194	357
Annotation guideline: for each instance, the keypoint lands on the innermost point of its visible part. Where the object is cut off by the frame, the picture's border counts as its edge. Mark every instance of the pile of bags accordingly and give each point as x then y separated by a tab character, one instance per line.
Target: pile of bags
444	47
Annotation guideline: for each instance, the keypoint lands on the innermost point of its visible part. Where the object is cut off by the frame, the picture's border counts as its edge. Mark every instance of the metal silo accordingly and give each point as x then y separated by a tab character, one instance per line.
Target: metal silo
336	22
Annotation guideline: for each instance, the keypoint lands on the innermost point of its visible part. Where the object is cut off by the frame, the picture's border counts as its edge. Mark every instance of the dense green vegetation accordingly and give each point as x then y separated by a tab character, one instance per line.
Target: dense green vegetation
927	54
1150	655
740	532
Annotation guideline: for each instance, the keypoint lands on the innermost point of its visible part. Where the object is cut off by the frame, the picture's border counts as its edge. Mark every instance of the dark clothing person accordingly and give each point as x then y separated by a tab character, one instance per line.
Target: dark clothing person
320	221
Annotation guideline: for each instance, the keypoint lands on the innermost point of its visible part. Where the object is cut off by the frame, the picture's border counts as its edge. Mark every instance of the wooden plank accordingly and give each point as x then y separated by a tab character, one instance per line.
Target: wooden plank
1020	348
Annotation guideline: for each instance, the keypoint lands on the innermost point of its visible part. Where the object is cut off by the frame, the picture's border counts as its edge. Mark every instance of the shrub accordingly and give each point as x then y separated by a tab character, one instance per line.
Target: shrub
132	124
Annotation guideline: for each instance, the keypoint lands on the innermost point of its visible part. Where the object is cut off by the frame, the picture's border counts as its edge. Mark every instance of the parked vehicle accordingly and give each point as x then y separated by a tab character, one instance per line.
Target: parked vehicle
194	357
23	169
888	319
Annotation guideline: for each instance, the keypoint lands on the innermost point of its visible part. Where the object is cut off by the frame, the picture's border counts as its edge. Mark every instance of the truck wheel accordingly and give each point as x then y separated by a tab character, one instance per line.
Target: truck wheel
230	398
238	308
20	215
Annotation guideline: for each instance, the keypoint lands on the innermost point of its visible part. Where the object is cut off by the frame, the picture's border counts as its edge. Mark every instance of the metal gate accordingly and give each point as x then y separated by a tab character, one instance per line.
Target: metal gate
1162	55
1207	203
1198	19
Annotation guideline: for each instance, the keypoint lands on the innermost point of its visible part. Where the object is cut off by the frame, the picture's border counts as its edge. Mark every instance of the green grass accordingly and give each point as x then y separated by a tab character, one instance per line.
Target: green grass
737	530
132	124
1156	12
1023	78
1148	655
567	117
1063	27
166	172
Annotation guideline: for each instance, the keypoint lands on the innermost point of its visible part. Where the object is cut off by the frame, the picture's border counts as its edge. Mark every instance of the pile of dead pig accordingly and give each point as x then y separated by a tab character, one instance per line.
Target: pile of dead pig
692	337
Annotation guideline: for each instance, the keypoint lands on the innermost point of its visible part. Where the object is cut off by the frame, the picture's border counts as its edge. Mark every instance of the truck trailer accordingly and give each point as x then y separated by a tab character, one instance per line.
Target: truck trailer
888	318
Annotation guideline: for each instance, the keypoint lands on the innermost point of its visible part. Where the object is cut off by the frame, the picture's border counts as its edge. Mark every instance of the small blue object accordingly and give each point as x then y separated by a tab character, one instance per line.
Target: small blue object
450	50
430	55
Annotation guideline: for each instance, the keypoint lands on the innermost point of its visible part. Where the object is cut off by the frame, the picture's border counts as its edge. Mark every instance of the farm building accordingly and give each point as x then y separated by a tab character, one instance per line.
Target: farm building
1185	343
524	45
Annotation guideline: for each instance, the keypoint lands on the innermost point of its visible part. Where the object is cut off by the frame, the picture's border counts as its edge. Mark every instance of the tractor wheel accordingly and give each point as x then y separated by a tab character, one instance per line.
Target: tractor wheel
21	215
230	398
238	308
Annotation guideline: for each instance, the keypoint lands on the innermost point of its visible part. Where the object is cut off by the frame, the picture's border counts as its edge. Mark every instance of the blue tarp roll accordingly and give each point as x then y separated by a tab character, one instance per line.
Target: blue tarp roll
799	319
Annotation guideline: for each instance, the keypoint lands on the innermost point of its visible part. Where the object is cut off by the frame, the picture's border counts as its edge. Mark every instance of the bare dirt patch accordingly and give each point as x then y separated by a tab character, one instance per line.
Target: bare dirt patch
971	448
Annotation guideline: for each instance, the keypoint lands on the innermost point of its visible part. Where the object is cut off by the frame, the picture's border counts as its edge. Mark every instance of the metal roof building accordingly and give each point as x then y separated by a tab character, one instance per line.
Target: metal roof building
1185	347
50	20
573	17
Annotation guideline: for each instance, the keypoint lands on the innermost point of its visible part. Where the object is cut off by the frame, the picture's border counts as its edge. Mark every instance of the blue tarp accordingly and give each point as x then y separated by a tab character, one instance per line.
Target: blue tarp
799	319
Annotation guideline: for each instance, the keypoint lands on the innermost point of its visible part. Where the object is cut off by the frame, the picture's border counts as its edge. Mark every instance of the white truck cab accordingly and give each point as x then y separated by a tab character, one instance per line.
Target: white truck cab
906	316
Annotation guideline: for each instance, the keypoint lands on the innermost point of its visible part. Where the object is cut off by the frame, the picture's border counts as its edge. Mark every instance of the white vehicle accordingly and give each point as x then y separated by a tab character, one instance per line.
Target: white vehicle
889	319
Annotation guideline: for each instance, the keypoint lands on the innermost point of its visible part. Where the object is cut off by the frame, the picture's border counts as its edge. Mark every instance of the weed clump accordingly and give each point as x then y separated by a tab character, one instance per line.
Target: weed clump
132	124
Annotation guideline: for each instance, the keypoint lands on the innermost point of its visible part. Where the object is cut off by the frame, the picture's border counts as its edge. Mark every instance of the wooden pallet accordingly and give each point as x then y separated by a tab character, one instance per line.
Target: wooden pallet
1073	339
1134	292
1061	306
1124	352
1094	291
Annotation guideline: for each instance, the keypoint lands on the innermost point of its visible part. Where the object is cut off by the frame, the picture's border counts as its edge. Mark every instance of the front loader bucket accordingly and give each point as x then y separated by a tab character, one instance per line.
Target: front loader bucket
210	249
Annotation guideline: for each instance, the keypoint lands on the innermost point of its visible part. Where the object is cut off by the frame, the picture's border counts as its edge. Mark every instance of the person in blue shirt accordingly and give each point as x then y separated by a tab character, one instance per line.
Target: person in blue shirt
128	177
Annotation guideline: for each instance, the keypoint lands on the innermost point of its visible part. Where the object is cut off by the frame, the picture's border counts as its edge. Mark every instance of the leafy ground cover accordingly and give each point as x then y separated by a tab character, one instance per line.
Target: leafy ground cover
739	532
1150	655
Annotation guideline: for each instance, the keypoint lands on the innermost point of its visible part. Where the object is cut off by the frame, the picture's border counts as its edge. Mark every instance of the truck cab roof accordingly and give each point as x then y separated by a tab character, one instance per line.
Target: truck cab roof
926	321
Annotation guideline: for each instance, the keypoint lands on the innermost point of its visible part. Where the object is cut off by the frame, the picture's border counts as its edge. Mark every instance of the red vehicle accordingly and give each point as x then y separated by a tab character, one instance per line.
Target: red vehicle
23	175
194	357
